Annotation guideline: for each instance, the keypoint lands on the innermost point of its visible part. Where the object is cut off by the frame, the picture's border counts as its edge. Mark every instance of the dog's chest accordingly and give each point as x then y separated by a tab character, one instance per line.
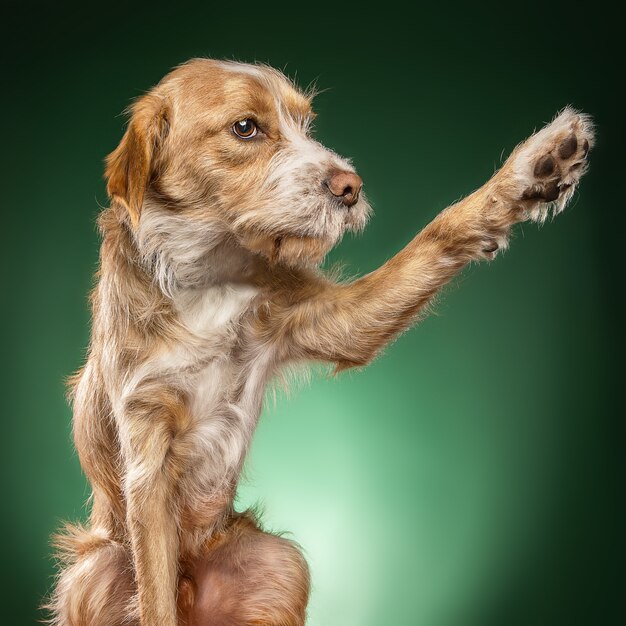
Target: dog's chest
224	388
208	362
209	313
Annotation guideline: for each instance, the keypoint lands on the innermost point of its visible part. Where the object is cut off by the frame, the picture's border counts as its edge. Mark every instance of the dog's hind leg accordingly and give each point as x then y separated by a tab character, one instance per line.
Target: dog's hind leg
96	586
247	577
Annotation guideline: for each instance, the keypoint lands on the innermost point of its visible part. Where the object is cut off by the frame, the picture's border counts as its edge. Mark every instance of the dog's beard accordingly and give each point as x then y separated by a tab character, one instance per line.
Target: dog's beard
294	201
299	228
303	216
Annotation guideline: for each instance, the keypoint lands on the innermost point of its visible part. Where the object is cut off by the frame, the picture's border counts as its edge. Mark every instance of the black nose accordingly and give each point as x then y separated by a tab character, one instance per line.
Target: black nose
344	185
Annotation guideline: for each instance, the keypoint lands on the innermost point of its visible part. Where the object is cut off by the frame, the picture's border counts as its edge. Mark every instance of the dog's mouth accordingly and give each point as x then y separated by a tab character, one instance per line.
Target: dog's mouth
321	226
356	216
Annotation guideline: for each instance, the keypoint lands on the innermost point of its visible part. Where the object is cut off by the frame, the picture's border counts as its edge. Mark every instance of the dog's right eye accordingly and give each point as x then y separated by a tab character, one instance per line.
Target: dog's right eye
245	129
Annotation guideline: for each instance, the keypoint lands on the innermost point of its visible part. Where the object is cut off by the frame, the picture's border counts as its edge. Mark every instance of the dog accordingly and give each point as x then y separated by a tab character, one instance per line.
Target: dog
222	207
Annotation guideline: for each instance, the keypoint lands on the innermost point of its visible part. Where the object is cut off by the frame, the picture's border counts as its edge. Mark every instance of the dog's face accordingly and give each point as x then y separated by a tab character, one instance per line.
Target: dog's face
228	143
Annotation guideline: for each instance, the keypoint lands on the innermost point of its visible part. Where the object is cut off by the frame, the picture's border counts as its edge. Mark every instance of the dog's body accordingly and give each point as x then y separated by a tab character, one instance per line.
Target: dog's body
222	206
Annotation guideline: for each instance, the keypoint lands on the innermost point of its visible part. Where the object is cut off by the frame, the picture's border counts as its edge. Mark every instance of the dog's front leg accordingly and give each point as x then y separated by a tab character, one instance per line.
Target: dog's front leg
349	323
152	423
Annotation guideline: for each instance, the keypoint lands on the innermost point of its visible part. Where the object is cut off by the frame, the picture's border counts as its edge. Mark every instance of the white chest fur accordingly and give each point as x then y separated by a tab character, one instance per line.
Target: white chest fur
209	312
205	364
224	391
223	379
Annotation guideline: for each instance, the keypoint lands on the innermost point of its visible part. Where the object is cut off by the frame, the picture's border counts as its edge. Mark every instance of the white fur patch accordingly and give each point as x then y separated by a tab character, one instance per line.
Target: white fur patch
241	68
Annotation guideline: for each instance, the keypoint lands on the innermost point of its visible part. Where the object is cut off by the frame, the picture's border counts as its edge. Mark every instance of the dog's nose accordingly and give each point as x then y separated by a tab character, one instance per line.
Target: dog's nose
344	185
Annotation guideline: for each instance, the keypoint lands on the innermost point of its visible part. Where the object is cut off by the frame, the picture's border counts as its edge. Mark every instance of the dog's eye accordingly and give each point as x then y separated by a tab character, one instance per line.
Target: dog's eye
246	129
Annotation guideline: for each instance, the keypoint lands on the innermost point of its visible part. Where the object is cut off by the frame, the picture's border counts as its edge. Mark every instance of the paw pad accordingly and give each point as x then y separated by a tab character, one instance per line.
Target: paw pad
545	166
568	147
557	159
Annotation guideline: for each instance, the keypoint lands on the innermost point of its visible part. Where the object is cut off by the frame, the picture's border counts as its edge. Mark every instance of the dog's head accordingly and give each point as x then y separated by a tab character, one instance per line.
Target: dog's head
221	148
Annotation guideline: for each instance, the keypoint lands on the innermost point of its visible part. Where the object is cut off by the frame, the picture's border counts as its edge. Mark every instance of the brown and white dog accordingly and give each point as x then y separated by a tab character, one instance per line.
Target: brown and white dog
222	207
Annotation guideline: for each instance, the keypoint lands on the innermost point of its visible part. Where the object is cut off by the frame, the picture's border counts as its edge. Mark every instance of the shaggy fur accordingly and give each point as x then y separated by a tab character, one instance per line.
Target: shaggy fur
207	286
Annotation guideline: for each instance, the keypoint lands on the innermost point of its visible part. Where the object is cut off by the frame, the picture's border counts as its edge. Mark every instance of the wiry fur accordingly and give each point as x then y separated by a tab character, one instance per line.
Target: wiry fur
208	285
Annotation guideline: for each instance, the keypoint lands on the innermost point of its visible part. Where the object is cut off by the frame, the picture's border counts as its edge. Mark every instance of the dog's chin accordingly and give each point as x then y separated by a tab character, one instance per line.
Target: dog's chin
311	243
289	249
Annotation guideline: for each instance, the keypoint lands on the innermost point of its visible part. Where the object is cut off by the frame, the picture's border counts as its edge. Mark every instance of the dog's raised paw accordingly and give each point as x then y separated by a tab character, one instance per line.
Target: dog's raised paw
549	165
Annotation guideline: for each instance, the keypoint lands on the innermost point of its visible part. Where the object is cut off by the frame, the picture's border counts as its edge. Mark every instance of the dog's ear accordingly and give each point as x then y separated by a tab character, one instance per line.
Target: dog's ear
131	165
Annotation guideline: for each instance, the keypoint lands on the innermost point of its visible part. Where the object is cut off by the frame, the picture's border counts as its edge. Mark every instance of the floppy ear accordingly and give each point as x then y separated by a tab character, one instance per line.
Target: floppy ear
130	166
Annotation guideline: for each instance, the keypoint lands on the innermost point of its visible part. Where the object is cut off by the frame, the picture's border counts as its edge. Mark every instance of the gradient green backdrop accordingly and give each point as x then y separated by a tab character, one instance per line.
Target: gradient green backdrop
472	476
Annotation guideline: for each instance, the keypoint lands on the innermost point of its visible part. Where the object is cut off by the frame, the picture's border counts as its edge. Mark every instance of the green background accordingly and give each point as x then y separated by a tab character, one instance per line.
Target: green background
472	476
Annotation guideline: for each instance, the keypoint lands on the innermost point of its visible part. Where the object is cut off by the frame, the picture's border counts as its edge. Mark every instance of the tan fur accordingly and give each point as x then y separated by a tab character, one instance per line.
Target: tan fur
208	284
246	576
